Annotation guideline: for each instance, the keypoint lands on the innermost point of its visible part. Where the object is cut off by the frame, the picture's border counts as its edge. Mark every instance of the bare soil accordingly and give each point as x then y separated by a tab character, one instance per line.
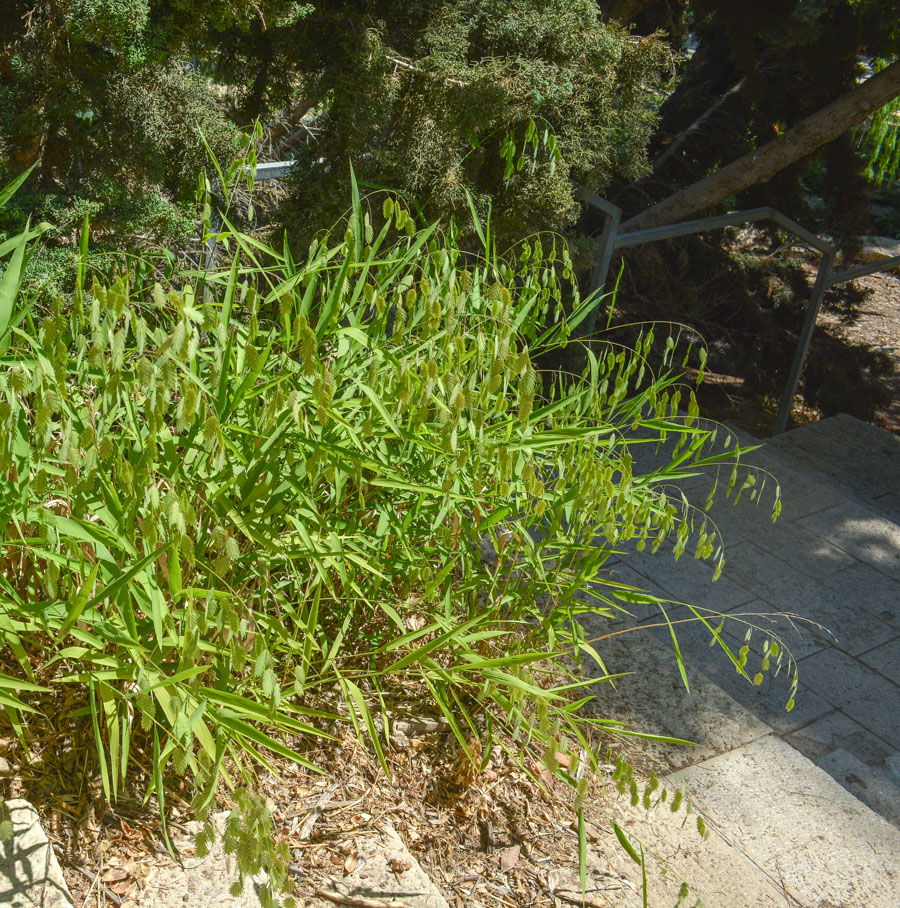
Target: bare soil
725	397
878	326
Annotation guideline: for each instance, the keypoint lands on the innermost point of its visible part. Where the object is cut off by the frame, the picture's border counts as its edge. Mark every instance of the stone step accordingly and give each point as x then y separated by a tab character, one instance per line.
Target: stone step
783	831
798	825
715	869
832	560
808	797
858	459
875	787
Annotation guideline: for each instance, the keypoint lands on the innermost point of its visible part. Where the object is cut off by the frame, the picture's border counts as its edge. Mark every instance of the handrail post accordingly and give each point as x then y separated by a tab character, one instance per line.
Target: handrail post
600	270
806	333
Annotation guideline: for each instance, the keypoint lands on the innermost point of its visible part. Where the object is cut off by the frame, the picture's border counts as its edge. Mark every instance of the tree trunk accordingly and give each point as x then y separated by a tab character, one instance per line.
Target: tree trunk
696	126
761	165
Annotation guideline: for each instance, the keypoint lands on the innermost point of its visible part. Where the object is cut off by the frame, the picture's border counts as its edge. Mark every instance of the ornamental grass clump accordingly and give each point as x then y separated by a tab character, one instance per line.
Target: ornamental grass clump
250	502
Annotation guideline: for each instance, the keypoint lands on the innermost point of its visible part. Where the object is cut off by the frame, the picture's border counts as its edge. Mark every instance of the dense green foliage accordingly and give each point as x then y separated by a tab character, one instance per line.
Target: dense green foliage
244	504
254	502
508	100
428	98
119	102
879	140
751	71
101	94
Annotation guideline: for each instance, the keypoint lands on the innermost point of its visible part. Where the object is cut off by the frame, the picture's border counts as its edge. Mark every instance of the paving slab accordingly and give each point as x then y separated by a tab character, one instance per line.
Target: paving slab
798	824
837	730
832	560
715	868
865	587
804	550
30	875
835	447
388	872
858	690
802	492
889	505
653	699
767	701
826	614
885	660
873	786
688	579
893	765
863	532
632	612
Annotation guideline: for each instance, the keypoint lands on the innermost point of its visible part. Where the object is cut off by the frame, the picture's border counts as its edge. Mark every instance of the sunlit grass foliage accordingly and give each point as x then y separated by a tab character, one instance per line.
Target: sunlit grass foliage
248	502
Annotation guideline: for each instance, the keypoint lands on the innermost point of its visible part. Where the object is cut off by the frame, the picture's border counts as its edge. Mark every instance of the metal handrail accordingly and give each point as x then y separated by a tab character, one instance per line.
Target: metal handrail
853	273
611	240
274	170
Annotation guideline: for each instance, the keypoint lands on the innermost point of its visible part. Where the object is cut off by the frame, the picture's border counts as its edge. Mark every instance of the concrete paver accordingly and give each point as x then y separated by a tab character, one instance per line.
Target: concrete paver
889	505
886	660
688	580
854	456
872	785
803	549
862	532
798	824
621	573
792	799
653	699
832	560
768	700
826	615
869	589
803	493
869	698
837	730
716	869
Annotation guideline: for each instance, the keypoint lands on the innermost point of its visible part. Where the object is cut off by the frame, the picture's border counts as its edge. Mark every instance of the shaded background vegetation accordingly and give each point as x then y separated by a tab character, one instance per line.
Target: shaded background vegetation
511	101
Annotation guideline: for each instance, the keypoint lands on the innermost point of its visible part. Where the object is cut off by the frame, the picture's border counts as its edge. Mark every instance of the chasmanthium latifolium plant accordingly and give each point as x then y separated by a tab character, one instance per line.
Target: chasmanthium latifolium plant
231	496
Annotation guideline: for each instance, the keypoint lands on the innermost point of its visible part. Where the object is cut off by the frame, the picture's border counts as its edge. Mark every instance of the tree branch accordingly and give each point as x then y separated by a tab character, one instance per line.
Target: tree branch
761	165
695	126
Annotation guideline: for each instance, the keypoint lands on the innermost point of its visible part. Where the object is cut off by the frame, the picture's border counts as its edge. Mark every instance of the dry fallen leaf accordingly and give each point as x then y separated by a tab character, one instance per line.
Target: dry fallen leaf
415	622
114	874
351	862
399	866
592	832
546	778
509	857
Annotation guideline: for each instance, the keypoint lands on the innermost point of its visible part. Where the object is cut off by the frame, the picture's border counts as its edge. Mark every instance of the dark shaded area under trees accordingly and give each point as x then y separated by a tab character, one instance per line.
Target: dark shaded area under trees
751	72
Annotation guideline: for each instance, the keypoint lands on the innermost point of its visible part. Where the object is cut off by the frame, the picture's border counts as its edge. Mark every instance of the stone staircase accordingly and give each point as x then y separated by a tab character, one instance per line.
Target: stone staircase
810	797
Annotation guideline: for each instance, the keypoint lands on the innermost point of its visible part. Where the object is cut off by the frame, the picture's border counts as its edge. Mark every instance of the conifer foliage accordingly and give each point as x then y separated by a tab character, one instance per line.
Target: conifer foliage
506	99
